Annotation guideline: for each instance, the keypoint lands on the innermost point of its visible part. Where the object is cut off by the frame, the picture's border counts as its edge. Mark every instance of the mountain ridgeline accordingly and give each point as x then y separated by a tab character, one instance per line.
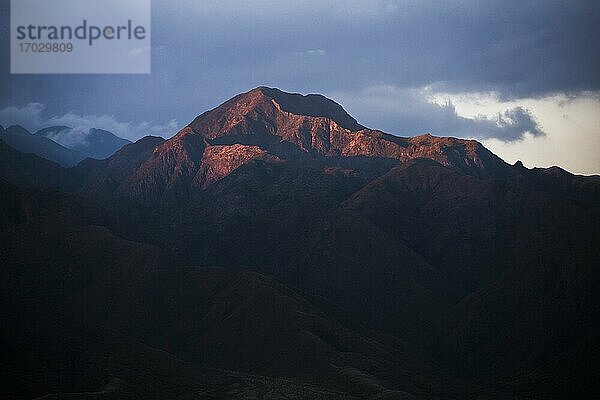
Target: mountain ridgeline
63	145
276	246
93	143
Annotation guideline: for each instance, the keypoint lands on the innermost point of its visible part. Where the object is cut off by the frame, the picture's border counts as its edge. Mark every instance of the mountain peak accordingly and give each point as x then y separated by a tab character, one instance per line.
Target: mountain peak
310	105
262	109
17	130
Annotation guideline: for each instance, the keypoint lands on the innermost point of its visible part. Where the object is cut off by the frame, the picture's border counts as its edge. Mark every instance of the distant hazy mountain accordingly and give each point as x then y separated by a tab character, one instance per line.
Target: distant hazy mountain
22	140
94	143
330	261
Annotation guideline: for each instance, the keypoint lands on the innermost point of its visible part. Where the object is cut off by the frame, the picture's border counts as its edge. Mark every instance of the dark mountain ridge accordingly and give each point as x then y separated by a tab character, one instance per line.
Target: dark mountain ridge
62	144
22	140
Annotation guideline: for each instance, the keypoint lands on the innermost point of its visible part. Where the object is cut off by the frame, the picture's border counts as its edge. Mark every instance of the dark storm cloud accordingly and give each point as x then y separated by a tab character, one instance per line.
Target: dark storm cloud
517	121
519	48
205	52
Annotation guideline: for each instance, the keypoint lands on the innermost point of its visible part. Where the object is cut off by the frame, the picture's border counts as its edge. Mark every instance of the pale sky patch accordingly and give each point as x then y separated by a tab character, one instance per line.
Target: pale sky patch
571	124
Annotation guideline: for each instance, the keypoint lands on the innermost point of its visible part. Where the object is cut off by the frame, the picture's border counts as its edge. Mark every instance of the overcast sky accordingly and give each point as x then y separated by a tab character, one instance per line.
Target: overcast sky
521	76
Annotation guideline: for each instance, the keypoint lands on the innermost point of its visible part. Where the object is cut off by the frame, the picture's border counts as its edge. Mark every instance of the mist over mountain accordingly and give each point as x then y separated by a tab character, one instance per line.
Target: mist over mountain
63	145
277	247
94	143
21	139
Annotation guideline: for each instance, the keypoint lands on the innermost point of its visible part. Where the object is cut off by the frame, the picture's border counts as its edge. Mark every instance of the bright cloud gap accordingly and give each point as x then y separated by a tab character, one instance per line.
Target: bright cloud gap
412	111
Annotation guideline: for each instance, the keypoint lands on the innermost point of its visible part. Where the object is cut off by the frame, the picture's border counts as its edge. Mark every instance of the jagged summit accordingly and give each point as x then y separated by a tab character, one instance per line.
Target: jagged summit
312	105
242	113
270	111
